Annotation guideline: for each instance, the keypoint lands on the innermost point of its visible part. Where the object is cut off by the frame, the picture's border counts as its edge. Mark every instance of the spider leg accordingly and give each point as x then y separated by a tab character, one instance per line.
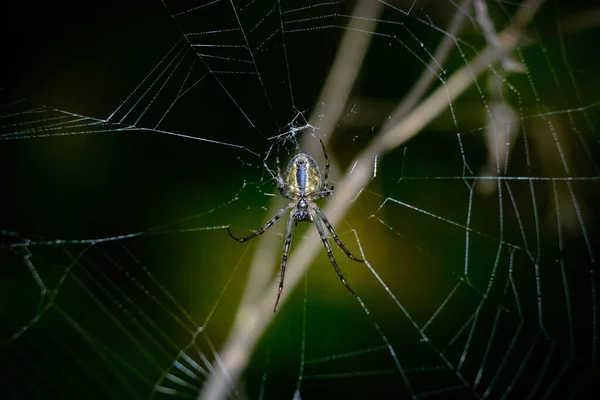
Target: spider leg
329	252
262	230
277	164
326	174
286	248
321	215
280	184
320	195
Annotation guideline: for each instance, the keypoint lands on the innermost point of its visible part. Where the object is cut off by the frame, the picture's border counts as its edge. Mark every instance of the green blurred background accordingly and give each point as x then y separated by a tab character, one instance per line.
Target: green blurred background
86	59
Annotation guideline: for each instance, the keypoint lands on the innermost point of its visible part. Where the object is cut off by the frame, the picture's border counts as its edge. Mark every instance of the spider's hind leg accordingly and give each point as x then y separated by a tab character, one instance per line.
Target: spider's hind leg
330	253
321	214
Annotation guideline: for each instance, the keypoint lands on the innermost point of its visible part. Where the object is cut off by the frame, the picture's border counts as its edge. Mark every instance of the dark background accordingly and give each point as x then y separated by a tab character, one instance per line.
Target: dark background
86	59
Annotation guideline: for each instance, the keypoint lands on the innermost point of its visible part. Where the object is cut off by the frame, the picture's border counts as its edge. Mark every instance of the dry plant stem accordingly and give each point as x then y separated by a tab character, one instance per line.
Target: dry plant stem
429	74
588	19
342	76
252	319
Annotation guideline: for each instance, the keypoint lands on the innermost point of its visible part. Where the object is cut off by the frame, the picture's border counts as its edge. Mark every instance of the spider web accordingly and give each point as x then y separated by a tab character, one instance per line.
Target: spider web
464	155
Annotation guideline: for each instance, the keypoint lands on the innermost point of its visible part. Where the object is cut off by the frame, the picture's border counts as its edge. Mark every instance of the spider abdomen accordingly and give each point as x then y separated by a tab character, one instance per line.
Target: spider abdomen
303	176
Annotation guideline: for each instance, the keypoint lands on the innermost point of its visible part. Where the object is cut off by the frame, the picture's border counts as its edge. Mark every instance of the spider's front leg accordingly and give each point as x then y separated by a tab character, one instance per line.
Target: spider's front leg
262	230
280	183
326	192
326	174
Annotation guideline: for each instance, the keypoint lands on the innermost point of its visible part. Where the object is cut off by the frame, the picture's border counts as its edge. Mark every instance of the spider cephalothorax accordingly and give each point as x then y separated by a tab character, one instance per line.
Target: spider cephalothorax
303	184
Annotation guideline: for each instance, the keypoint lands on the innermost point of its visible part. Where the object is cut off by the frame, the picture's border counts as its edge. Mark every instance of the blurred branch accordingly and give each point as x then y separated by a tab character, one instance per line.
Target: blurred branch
430	73
590	18
345	69
487	25
341	79
253	318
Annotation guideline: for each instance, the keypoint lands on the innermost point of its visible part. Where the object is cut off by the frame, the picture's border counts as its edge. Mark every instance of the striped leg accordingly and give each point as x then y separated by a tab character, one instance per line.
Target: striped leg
321	214
286	248
329	252
320	195
262	230
326	175
280	183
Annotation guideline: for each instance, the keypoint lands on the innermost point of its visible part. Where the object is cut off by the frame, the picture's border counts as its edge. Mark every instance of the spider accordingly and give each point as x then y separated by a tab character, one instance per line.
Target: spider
303	184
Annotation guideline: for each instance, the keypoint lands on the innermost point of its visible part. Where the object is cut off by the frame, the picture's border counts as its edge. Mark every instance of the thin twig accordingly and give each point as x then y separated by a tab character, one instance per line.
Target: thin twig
252	319
342	76
429	74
